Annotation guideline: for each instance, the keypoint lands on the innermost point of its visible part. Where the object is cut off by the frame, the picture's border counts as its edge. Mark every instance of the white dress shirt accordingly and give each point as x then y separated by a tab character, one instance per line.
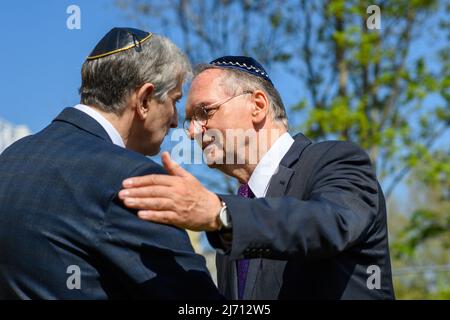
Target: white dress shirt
268	165
109	128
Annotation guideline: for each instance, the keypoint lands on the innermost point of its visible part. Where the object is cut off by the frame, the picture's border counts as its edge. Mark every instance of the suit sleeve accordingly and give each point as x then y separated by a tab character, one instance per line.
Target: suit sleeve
149	260
340	209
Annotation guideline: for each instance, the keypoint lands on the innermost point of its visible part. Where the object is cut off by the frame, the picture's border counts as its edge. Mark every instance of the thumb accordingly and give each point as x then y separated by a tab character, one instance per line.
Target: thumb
173	168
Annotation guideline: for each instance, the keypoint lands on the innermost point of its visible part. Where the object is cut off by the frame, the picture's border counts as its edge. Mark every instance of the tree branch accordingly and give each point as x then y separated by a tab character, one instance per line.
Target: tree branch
405	170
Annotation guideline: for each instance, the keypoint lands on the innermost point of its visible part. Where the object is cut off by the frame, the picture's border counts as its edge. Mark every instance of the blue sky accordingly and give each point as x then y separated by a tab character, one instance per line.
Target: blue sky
41	58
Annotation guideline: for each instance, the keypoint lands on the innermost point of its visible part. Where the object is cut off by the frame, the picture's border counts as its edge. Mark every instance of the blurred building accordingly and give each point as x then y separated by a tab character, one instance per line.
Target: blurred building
10	133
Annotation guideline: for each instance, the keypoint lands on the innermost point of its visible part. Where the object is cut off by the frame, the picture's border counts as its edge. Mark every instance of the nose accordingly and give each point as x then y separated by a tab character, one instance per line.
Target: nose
195	130
191	130
174	122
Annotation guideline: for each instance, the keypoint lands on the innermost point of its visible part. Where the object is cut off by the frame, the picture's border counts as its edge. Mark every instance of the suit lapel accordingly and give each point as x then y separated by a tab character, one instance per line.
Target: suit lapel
234	284
280	180
227	276
253	269
277	188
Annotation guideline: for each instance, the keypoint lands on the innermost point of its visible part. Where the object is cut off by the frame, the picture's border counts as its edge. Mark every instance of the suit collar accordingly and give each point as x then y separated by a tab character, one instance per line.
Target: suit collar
292	156
109	128
280	181
83	121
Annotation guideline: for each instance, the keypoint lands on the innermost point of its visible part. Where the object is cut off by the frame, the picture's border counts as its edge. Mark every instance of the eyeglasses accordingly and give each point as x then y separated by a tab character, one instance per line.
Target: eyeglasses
202	114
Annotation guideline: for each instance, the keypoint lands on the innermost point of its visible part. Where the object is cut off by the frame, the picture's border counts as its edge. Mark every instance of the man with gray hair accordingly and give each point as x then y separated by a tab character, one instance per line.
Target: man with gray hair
63	232
309	220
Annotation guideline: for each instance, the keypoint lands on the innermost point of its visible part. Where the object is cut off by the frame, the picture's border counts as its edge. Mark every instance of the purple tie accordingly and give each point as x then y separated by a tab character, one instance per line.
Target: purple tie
242	265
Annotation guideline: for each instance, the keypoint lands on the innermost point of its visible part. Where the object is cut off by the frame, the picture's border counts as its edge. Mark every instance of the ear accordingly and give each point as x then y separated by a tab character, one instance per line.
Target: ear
260	107
144	95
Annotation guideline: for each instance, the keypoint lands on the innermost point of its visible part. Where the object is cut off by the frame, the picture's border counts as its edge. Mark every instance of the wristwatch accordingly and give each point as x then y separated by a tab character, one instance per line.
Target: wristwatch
224	217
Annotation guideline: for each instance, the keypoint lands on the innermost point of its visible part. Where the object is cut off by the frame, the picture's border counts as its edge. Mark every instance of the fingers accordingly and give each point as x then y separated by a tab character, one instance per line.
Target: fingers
172	167
157	204
142	192
166	217
148	180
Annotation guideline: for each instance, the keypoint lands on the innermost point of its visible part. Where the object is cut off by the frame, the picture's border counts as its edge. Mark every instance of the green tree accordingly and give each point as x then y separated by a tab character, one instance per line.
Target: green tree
421	245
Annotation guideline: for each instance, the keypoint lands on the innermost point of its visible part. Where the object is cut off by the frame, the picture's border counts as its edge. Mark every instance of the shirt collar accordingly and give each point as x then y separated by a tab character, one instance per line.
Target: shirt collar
109	128
268	165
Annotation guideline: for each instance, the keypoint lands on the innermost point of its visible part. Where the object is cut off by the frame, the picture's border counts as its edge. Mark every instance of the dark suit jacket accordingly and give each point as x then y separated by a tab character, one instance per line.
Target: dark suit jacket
316	233
59	208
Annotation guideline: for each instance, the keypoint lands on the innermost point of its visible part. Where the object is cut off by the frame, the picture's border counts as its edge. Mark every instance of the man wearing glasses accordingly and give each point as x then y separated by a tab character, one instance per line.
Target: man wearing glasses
309	220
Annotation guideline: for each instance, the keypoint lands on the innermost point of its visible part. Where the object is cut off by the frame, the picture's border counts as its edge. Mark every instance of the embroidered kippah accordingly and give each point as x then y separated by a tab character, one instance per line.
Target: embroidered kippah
243	63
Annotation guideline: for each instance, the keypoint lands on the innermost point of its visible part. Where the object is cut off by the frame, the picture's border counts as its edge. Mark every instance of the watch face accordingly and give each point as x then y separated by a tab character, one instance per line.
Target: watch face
224	217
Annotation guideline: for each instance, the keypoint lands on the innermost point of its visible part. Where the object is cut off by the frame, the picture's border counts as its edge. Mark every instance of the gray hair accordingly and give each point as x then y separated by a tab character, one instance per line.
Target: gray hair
239	80
107	82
